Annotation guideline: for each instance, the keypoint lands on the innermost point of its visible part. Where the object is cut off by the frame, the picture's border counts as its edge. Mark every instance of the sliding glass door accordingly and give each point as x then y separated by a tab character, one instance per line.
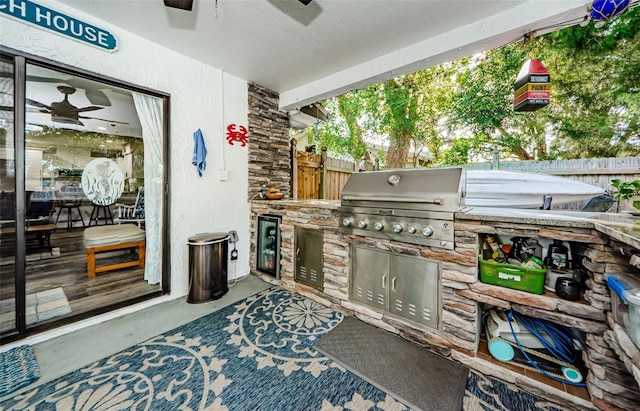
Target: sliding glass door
94	155
9	298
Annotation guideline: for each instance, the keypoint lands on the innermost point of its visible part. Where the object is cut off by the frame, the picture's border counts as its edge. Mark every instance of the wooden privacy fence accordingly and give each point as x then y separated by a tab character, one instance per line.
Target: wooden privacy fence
337	172
596	171
317	176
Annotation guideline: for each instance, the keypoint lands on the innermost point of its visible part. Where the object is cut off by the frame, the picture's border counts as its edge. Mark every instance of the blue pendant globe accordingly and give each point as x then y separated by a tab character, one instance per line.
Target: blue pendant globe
605	9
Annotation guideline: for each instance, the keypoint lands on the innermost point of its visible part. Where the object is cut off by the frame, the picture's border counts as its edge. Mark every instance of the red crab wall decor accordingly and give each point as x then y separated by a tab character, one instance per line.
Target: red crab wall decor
238	134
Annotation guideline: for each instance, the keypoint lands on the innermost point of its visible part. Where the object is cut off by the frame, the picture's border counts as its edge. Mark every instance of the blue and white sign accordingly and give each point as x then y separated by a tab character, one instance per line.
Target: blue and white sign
49	19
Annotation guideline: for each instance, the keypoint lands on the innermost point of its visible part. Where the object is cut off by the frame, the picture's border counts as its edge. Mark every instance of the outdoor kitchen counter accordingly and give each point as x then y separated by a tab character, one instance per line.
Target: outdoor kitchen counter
329	204
462	293
622	227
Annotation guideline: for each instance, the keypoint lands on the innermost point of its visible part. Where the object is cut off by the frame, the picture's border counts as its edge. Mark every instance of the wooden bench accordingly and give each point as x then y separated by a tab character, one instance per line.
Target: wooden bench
111	238
41	232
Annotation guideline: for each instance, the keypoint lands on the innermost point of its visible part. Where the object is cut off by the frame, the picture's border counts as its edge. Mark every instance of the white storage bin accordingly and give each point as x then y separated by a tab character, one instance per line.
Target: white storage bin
625	302
632	297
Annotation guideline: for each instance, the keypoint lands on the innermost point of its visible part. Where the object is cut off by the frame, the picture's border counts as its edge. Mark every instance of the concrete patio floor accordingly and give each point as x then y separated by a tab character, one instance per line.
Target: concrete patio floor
61	355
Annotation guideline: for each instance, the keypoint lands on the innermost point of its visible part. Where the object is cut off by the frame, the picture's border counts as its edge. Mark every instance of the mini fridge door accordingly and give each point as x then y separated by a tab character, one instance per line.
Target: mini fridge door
268	246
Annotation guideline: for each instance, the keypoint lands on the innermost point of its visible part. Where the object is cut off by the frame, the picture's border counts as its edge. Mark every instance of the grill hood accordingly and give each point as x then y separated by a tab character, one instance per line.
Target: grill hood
437	189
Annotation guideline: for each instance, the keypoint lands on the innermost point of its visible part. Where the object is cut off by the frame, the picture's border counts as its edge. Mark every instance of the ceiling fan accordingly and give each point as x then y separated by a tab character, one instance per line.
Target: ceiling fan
93	90
65	112
302	11
188	4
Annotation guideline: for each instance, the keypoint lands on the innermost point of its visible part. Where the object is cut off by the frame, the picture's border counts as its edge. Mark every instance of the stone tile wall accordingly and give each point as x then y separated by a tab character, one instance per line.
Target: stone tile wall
269	148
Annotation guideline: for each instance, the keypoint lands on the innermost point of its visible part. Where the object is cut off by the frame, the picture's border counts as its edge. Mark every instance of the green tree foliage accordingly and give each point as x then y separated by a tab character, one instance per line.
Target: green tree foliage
407	110
463	110
343	133
398	114
462	149
482	106
596	84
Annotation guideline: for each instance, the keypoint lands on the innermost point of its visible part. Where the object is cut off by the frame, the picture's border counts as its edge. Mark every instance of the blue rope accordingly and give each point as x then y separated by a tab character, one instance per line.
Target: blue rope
560	345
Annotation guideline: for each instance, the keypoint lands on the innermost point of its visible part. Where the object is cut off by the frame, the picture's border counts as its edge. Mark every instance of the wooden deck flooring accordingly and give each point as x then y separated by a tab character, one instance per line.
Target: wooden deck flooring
69	271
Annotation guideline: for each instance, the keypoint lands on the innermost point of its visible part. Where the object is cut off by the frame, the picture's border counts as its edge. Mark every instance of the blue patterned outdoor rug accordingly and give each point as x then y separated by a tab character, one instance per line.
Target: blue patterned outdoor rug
254	355
488	394
18	368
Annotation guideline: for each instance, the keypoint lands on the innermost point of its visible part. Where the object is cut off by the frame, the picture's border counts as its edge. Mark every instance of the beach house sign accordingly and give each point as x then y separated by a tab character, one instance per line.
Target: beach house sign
60	23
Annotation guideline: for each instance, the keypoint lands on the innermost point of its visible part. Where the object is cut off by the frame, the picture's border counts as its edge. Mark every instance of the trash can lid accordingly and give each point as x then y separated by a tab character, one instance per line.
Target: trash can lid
207	238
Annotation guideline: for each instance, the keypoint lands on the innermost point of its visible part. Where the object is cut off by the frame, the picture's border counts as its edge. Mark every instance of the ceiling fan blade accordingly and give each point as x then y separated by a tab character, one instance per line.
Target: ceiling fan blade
302	11
28	109
88	108
180	4
102	119
94	95
37	104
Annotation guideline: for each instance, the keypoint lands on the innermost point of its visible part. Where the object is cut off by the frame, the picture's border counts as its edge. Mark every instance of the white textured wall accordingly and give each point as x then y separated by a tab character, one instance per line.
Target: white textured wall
198	204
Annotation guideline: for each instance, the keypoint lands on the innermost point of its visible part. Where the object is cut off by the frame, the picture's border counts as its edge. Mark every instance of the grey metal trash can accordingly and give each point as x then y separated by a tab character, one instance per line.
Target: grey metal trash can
208	266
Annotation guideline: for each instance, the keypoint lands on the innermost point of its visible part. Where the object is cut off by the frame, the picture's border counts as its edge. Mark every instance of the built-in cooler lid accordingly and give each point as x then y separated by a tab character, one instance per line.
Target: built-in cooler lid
436	189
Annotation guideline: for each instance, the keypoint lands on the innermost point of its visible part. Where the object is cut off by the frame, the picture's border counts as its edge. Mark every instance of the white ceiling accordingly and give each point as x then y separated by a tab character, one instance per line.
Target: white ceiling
284	45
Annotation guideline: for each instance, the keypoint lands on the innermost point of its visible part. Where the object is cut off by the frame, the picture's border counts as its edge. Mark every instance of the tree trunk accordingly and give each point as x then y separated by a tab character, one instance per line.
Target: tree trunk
519	151
398	151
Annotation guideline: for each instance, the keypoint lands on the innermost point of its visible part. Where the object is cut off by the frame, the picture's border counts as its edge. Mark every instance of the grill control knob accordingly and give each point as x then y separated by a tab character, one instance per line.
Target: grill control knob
427	231
378	226
362	224
397	228
346	222
411	229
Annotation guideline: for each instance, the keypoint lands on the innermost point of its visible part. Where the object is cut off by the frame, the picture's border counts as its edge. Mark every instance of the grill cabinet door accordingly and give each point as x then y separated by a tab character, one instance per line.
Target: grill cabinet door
308	266
370	277
413	289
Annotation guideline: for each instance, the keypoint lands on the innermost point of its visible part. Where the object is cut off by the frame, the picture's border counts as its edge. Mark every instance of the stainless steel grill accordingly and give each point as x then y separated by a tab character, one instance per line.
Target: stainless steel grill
413	206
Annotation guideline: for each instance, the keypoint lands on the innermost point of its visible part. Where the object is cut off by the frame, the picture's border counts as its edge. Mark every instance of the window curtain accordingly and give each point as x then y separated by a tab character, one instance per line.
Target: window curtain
149	111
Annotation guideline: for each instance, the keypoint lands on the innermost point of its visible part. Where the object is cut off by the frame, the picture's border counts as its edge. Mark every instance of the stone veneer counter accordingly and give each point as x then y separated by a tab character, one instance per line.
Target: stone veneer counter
610	387
622	227
606	244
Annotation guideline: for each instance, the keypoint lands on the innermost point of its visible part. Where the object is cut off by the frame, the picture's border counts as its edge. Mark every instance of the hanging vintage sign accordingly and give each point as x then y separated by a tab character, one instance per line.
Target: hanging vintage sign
532	87
46	18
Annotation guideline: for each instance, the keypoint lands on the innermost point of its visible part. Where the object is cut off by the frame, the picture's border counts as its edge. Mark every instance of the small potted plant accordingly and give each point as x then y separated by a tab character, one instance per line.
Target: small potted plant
626	190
